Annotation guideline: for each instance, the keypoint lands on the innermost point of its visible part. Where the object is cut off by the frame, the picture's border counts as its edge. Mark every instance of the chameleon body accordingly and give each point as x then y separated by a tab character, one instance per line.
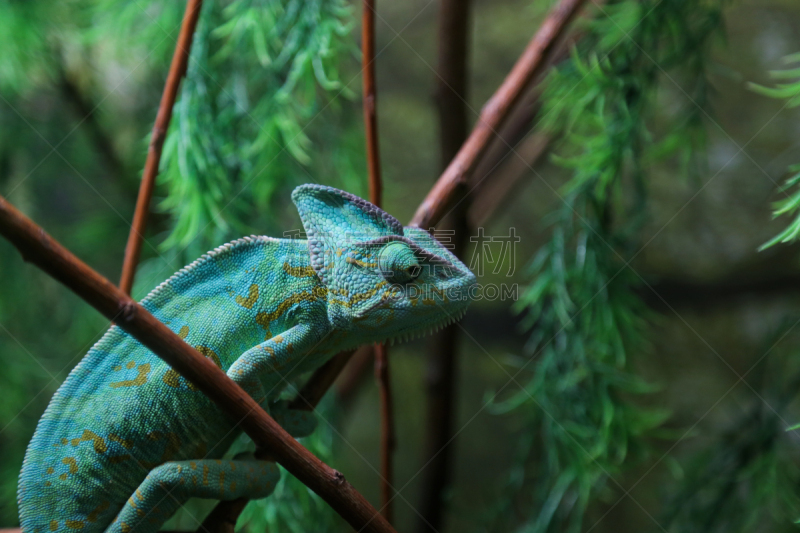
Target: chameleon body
126	440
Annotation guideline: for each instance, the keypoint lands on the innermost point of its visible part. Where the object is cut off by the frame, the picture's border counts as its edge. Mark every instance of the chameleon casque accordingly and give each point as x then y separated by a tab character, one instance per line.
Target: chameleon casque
126	440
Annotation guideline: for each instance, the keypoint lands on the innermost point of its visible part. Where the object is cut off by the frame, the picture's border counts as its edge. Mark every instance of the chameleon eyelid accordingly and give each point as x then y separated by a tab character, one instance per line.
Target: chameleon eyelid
419	252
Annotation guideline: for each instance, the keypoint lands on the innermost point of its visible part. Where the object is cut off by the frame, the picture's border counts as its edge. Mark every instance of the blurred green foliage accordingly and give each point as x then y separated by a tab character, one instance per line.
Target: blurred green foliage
585	318
790	205
268	103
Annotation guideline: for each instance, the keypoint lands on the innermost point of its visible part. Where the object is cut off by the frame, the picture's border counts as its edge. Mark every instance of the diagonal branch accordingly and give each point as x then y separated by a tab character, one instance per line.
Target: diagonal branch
442	361
39	248
532	62
375	192
529	65
177	70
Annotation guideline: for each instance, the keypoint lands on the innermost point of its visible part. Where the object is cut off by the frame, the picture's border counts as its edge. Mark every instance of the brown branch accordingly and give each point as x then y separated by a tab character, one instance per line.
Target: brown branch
370	101
39	248
489	195
354	375
177	70
375	193
441	195
319	383
442	361
325	375
494	113
388	437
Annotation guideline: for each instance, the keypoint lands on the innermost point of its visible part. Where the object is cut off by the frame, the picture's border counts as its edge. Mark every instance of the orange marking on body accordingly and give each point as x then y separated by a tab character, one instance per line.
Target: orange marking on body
50	470
252	297
73	466
130	364
298	272
140	379
124	443
205	475
53	525
222	482
74	524
99	444
171	378
97	510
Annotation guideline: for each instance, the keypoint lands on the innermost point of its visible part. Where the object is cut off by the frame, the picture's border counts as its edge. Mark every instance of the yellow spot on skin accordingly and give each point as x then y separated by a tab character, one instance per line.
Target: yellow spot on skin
116	438
97	510
74	524
233	486
183	332
278	339
298	272
117	368
130	364
172	378
222	482
205	475
252	298
47	483
264	319
53	525
193	465
64	441
73	466
140	379
99	443
50	470
362	264
125	528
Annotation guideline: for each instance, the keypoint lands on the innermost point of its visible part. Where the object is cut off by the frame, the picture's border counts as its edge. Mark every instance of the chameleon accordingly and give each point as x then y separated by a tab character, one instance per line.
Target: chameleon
126	440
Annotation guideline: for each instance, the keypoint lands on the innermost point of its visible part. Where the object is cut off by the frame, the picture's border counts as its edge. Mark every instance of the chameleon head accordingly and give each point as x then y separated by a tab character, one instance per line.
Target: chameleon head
383	280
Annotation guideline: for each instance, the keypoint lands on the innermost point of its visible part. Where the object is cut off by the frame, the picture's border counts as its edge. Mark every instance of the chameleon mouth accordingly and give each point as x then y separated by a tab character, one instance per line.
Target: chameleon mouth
405	337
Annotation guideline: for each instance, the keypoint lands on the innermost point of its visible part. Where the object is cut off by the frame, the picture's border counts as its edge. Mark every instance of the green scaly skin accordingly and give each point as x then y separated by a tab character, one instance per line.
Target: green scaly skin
126	441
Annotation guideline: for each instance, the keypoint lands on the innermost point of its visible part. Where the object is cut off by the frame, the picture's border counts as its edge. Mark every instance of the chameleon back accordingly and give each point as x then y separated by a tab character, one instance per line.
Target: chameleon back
122	410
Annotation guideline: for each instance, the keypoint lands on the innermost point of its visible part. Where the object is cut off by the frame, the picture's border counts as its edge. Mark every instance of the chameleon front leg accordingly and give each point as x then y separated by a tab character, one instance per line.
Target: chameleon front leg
170	485
260	370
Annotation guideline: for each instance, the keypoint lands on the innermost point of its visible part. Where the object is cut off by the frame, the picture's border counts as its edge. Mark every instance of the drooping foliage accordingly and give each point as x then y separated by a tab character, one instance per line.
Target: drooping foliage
789	204
264	91
586	322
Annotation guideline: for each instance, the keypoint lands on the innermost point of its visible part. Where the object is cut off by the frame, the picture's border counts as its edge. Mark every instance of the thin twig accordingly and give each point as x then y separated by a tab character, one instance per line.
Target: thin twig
388	438
177	70
442	194
496	110
441	365
354	375
489	195
37	247
375	193
370	101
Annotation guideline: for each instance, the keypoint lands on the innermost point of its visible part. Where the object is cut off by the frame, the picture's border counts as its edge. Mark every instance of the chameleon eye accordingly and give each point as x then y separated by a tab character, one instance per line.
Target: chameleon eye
397	263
